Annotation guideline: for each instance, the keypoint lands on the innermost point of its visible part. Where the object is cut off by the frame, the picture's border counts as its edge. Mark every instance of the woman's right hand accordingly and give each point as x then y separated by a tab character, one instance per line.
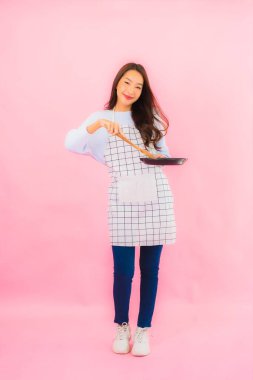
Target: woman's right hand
112	128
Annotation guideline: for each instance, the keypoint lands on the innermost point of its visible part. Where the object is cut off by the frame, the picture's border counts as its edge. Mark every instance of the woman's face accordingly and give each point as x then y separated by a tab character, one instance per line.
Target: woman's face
129	88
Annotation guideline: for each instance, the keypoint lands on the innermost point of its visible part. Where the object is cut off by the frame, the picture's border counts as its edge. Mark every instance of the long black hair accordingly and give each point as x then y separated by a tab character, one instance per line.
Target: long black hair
145	111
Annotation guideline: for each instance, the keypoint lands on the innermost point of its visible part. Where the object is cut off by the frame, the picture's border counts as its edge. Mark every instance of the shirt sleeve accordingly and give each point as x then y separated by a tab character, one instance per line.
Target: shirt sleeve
165	150
162	142
76	139
79	140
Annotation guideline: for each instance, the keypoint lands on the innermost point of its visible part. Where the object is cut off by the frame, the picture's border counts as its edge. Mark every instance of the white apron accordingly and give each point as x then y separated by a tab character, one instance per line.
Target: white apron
140	208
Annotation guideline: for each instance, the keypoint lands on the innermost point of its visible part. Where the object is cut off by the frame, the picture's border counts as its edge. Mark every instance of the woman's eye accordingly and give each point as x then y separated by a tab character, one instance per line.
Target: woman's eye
137	87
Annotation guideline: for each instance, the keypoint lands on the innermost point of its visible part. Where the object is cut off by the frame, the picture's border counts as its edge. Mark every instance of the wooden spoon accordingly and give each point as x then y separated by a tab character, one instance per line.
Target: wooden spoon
148	154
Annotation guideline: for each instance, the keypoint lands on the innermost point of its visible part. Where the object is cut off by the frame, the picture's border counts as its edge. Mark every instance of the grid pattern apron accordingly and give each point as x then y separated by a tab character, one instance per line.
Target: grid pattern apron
141	212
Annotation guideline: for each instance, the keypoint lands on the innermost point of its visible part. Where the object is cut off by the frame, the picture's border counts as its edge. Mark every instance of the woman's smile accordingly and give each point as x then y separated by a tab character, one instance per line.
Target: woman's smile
128	97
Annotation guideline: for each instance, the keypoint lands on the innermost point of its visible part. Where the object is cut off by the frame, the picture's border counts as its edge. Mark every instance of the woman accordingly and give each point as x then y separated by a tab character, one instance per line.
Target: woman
140	210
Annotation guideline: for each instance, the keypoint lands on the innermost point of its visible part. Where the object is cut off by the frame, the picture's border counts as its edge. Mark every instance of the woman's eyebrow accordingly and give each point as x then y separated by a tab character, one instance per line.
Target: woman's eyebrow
131	81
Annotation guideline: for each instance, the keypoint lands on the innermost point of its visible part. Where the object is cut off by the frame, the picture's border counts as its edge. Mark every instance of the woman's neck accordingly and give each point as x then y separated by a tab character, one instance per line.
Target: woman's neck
120	109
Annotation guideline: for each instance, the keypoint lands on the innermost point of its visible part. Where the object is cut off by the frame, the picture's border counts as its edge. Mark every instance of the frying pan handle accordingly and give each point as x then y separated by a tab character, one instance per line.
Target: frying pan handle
148	154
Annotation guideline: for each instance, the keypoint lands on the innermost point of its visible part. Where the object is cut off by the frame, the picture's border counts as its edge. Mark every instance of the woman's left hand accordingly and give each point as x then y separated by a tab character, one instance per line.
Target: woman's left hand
159	156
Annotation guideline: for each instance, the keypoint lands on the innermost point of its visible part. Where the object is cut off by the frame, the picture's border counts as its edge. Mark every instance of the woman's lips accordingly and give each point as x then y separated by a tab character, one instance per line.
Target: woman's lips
128	97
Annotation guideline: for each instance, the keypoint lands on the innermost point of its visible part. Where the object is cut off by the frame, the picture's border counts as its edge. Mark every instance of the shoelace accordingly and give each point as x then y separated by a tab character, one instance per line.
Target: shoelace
121	330
139	334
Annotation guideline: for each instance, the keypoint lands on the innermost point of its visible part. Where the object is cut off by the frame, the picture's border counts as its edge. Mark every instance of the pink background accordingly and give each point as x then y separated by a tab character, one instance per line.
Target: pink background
58	61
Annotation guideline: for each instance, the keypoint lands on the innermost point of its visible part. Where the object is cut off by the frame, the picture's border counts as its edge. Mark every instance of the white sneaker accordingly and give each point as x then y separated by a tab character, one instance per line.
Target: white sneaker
141	345
121	344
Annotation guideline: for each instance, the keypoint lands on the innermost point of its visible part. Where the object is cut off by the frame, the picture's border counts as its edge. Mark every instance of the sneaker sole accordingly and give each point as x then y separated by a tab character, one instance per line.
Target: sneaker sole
139	354
121	352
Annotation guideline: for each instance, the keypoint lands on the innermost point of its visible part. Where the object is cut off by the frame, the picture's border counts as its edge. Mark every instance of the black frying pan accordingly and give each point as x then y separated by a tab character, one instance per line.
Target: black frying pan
163	160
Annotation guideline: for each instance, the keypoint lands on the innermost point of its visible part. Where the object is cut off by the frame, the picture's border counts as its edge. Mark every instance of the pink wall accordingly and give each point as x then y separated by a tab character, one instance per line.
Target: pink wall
58	60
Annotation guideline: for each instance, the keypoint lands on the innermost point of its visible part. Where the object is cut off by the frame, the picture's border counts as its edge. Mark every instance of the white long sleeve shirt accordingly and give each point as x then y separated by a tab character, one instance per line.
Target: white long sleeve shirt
79	140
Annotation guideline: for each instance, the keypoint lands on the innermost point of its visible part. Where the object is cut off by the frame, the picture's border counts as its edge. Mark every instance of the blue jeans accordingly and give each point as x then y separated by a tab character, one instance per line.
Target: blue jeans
124	259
